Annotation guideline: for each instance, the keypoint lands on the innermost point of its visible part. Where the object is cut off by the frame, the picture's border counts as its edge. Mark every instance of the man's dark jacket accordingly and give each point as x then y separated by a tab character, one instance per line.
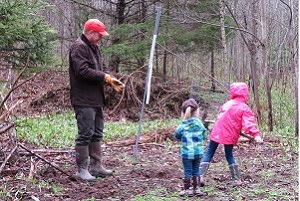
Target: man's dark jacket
87	72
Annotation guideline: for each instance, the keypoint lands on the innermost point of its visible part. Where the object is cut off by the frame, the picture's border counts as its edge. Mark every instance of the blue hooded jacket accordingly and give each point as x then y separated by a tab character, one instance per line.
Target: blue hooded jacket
191	133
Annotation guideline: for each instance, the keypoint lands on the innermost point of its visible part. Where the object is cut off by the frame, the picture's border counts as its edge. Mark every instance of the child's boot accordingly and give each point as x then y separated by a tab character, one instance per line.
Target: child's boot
235	174
187	187
196	186
203	170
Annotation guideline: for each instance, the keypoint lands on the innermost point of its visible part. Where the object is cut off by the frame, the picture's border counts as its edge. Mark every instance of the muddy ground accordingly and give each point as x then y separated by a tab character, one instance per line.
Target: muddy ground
268	173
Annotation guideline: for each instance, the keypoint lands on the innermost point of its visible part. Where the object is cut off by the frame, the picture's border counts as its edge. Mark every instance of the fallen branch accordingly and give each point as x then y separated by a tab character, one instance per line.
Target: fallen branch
123	92
45	160
3	130
15	82
7	158
47	151
150	144
151	137
7	112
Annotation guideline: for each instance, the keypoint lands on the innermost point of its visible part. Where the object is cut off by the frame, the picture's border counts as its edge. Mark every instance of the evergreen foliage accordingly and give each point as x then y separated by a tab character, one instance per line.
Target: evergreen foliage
130	45
25	33
134	38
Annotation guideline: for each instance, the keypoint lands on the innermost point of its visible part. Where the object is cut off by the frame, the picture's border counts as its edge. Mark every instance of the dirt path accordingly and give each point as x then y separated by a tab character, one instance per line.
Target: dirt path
268	173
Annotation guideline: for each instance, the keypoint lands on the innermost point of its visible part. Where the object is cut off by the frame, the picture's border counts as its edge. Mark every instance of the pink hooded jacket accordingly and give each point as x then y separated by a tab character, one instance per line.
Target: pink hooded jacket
234	115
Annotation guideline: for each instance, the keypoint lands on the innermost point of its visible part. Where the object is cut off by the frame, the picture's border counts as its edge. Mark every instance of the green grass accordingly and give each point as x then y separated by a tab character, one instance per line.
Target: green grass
4	193
283	112
158	194
60	130
283	109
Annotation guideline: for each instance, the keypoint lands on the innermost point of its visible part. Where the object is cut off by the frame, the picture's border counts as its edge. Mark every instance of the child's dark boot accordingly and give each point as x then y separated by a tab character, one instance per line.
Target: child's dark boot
196	186
187	187
203	170
235	174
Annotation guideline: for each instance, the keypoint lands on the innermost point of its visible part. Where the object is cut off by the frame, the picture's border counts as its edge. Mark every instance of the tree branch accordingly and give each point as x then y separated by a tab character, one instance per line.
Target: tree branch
45	160
15	82
3	130
234	28
93	8
7	158
291	12
237	24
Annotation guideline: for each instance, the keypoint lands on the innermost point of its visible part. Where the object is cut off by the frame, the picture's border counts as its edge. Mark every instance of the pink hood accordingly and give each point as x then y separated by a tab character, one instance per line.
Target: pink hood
239	90
234	115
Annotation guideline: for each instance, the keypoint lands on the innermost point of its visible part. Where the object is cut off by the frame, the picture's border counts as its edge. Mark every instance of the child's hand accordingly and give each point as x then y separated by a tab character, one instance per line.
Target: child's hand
258	139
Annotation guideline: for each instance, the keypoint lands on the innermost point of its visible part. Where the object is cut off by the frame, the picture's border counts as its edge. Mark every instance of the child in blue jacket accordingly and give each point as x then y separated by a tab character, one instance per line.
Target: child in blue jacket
191	133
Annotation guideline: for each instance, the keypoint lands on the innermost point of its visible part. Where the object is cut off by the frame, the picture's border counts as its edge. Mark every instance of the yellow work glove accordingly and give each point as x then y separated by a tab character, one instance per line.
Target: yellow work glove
115	83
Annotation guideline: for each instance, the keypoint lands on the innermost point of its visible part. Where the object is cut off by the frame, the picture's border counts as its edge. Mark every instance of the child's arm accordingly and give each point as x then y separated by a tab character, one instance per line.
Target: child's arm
248	123
204	134
178	133
203	130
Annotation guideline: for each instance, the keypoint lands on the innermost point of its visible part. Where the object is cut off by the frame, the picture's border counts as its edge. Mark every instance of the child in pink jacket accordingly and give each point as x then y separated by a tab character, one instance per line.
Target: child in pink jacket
234	115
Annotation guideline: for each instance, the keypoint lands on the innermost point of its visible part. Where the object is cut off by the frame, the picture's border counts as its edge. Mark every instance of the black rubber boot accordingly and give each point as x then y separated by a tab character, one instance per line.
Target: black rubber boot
97	169
235	174
203	170
82	155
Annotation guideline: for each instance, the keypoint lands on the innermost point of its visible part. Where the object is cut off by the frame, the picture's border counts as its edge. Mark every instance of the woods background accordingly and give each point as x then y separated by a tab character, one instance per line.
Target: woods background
211	43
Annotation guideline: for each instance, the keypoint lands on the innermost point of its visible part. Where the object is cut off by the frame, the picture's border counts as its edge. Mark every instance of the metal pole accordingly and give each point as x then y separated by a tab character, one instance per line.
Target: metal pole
148	81
152	53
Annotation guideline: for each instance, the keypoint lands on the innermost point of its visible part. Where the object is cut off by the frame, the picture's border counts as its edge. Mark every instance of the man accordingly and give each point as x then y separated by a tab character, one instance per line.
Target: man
87	77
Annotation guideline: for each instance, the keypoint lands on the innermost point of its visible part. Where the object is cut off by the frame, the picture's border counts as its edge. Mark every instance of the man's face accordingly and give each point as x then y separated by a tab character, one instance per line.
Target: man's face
95	38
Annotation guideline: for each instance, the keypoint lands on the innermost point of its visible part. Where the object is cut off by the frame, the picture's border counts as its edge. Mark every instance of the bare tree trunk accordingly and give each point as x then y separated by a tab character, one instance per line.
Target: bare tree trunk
173	67
253	55
165	51
115	61
212	70
165	66
141	61
266	68
294	66
224	47
177	69
294	69
243	63
156	61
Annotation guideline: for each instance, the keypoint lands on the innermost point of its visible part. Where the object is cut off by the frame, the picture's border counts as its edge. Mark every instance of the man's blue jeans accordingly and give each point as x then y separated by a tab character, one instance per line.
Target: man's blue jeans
212	146
191	167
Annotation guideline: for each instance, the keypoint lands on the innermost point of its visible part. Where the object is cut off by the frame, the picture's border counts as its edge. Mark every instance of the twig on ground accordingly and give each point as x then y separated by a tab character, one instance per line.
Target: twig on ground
45	160
7	158
3	130
155	144
49	151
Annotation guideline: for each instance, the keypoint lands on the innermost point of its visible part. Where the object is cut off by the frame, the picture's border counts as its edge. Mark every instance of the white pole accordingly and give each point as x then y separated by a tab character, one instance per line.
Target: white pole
152	54
148	82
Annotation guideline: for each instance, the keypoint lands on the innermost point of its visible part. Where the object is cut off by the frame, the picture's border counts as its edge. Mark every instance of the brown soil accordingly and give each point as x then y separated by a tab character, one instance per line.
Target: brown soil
158	166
